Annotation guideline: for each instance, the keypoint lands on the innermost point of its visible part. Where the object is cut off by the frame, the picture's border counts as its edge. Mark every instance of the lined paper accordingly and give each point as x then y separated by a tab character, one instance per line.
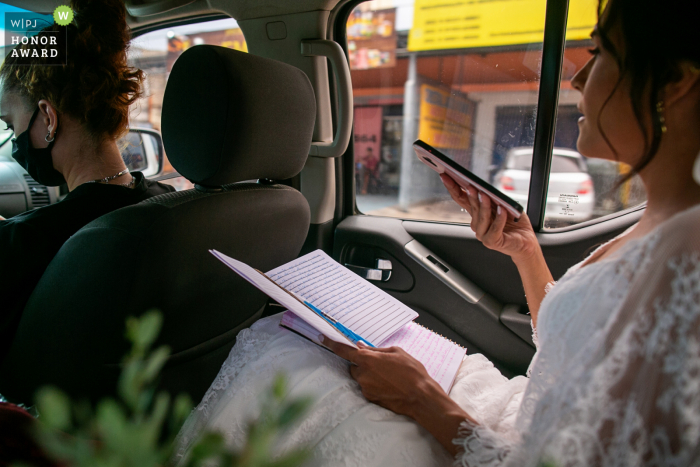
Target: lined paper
440	357
278	294
349	299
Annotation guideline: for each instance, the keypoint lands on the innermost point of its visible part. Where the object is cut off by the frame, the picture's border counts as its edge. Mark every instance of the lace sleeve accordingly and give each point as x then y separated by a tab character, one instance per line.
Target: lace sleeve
480	446
648	376
634	399
535	340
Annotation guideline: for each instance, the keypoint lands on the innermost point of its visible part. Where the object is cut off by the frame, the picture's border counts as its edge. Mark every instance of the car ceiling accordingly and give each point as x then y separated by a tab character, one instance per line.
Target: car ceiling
146	12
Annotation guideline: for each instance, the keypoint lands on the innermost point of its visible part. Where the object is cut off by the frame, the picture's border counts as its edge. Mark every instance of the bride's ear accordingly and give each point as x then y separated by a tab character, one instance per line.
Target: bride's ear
696	169
686	83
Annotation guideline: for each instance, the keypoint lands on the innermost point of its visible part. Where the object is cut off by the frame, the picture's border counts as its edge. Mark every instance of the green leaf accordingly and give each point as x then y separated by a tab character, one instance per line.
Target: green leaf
182	407
293	411
131	432
154	425
155	363
112	422
55	443
129	384
54	408
279	387
210	445
143	331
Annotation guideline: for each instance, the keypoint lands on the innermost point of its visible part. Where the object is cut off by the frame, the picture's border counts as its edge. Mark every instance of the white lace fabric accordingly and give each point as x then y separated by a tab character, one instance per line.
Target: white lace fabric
342	428
616	378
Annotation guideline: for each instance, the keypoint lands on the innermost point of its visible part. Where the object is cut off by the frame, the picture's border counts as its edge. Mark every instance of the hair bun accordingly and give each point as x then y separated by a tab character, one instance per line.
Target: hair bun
96	86
101	27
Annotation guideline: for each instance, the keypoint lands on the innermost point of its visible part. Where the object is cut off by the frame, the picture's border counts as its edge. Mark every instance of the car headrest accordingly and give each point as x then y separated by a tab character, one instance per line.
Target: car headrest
230	116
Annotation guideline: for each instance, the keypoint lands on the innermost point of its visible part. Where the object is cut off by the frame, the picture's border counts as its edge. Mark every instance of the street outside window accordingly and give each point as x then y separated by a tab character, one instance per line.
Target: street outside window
463	77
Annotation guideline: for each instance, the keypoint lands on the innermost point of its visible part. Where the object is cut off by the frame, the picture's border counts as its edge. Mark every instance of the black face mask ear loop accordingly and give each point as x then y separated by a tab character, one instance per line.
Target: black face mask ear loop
38	162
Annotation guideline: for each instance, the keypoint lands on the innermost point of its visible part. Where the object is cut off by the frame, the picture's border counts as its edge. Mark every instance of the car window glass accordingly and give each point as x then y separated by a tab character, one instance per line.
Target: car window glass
133	151
520	161
5	143
593	191
564	164
156	52
462	76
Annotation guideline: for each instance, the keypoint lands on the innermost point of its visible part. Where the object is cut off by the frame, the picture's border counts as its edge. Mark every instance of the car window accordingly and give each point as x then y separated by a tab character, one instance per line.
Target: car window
520	161
133	152
462	76
5	144
156	52
593	192
564	164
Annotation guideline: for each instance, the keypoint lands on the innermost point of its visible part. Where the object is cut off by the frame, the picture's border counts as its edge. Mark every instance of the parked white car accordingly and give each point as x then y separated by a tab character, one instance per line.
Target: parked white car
570	196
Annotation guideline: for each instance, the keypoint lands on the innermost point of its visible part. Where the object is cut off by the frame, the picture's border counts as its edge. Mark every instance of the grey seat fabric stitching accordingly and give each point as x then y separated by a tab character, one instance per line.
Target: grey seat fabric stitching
181	197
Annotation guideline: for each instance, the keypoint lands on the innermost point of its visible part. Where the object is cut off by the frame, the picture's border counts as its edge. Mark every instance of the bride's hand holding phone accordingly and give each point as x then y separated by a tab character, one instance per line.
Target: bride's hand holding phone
498	231
493	226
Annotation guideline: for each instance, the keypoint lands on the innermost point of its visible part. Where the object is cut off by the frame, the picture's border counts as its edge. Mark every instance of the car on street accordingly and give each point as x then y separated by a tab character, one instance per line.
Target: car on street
570	194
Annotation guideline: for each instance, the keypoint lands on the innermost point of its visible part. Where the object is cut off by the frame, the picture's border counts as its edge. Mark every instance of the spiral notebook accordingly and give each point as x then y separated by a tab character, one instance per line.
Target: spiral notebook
355	303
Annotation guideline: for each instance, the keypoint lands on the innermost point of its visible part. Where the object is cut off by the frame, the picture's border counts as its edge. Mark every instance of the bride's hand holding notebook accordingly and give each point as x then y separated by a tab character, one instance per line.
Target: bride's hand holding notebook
324	297
393	379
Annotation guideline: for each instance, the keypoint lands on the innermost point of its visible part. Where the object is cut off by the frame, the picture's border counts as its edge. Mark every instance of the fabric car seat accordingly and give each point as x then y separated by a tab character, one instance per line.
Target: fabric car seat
228	117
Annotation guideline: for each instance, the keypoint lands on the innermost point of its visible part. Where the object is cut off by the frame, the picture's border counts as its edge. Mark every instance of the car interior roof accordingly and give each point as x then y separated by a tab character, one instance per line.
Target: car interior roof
147	12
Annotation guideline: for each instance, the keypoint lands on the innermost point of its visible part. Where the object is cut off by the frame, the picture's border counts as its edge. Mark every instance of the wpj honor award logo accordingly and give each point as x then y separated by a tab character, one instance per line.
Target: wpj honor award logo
37	39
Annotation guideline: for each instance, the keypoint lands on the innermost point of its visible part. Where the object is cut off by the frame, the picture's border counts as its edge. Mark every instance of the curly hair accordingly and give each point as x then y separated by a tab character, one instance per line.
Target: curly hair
96	86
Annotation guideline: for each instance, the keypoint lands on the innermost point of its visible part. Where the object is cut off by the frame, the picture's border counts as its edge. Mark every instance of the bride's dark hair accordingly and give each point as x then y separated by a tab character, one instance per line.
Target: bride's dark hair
656	38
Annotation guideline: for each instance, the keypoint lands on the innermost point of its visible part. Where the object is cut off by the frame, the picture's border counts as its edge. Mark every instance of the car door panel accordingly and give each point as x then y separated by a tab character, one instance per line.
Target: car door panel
497	324
439	307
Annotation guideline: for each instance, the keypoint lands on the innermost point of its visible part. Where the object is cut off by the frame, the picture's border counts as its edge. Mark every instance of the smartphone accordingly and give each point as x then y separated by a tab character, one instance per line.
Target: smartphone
443	164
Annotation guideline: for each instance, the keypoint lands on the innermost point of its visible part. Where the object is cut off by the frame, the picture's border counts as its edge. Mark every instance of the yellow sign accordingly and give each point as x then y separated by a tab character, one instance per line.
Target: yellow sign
456	25
445	118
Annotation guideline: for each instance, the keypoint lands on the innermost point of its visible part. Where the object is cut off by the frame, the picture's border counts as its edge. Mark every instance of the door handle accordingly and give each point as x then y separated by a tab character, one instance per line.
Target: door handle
382	271
452	278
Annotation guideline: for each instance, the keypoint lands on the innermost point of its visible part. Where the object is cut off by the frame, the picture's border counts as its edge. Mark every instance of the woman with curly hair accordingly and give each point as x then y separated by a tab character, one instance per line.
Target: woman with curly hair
66	121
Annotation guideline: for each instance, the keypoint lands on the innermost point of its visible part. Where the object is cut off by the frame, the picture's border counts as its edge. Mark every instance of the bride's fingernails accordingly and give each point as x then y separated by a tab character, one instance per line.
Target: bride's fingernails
478	195
362	345
498	210
322	338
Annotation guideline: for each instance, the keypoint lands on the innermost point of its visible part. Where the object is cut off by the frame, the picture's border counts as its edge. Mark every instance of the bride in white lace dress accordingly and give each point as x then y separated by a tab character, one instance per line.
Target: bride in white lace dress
616	377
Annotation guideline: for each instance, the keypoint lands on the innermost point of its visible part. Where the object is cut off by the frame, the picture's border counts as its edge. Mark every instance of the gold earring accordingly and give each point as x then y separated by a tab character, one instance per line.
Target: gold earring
662	120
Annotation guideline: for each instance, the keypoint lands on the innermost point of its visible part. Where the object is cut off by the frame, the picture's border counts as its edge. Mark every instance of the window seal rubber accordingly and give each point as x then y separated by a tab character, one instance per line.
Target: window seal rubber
547	106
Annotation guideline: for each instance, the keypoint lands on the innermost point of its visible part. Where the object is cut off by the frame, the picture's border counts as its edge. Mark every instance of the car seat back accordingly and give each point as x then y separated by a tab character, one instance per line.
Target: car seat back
227	117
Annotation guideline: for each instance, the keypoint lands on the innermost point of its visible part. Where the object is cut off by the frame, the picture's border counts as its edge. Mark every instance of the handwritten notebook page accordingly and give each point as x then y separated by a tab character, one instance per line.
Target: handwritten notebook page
440	357
354	302
273	291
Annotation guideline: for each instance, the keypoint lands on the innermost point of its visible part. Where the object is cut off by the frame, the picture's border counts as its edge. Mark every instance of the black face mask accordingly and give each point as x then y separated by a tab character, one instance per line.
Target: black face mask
36	161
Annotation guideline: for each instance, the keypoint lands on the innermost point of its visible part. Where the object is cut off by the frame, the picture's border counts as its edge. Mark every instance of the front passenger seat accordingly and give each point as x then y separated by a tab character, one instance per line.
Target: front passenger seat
227	117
